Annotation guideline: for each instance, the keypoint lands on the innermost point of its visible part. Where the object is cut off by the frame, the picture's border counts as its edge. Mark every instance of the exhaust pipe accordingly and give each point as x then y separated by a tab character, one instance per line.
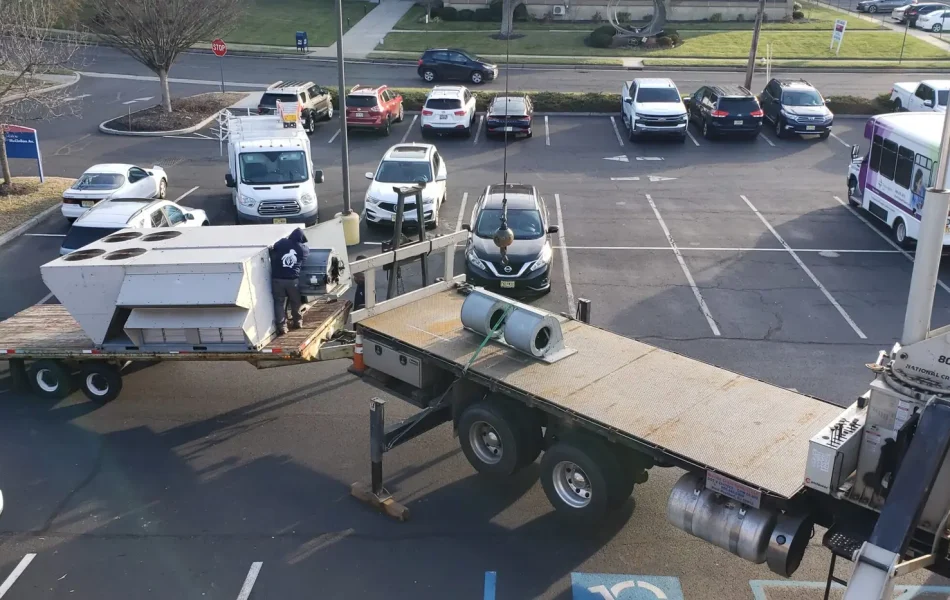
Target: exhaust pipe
758	535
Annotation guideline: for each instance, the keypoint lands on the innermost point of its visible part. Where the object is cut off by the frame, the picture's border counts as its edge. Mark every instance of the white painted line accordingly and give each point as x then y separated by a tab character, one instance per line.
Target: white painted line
333	137
409	130
726	249
567	267
458	223
808	272
249	581
232	84
74	98
843	143
547	132
767	140
658	178
689	276
44	235
891	242
45	298
478	129
691	137
649	158
613	122
625	179
185	137
618	158
11	579
180	198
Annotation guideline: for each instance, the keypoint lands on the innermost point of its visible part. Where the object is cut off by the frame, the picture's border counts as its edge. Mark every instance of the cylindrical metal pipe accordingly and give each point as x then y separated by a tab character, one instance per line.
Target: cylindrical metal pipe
377	435
344	139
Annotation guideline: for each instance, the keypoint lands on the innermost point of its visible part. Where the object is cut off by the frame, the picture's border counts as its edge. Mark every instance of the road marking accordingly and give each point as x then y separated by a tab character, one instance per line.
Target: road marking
843	143
409	130
547	132
567	267
618	158
691	137
490	583
8	583
727	249
613	122
808	272
333	137
44	234
478	130
689	276
649	158
768	141
45	298
256	86
74	98
892	243
180	198
625	179
145	99
458	223
658	178
249	581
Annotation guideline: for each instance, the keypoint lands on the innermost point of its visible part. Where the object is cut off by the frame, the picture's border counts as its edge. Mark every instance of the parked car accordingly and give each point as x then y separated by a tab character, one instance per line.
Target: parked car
509	114
935	20
406	164
116	214
112	181
650	106
448	109
921	96
315	103
796	107
725	110
882	6
528	270
452	63
914	11
898	13
375	108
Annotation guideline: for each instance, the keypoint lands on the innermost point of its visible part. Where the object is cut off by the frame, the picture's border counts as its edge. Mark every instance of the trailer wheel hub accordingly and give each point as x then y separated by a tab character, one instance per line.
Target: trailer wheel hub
97	384
47	381
486	442
572	484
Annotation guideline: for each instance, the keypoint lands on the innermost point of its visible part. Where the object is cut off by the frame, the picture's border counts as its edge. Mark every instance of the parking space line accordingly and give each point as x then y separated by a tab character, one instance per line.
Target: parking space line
808	272
613	122
691	135
44	234
891	242
11	579
249	581
843	143
333	137
567	267
478	129
689	276
458	223
725	249
490	584
408	129
547	132
768	141
180	198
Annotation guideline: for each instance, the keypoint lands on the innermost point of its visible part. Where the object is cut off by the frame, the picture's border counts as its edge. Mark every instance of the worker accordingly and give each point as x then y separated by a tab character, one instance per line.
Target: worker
287	257
359	300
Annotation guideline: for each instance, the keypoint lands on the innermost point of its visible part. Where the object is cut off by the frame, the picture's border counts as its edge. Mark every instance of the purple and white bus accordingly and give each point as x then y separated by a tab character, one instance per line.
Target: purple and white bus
891	180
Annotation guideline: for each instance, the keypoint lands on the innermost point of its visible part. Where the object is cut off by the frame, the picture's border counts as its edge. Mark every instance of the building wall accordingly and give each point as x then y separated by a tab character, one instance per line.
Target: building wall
689	10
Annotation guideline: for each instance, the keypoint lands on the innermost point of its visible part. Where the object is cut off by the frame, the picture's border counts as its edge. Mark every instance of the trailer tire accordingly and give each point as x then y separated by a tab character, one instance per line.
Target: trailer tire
50	379
493	439
100	382
583	480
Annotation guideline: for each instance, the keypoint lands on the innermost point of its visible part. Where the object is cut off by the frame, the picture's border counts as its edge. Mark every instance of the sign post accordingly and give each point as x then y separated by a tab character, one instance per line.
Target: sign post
22	142
220	49
838	35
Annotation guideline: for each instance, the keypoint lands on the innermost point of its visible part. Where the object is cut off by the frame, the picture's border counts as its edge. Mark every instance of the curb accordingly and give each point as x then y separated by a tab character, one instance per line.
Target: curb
22	227
787	69
46	90
186	130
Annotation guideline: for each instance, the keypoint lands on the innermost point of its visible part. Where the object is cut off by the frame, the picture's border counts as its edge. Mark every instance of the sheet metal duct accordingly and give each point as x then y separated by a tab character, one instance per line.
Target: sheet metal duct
482	312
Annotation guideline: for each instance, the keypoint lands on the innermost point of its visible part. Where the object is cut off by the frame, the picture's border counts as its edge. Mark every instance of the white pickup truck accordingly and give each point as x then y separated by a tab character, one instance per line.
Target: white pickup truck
923	96
653	107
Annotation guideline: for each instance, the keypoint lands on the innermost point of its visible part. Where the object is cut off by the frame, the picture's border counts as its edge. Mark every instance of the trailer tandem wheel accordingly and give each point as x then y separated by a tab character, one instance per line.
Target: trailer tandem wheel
495	440
583	479
50	379
101	382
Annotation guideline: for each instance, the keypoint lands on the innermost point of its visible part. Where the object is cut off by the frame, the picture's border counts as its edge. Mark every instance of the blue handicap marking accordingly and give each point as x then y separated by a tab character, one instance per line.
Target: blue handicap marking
602	586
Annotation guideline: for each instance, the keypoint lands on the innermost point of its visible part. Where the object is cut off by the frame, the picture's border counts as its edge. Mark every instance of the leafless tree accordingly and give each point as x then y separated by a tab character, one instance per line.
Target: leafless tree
30	57
155	32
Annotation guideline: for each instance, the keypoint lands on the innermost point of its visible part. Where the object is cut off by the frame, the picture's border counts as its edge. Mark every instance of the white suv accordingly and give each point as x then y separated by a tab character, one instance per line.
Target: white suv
405	164
448	108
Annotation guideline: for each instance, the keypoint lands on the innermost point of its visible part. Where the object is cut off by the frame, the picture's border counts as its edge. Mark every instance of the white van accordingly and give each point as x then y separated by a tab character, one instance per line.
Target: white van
891	180
270	171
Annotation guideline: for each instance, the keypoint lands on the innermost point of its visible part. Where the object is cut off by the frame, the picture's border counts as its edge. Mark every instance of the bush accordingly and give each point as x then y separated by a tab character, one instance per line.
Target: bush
466	15
484	15
740	18
605	29
600	40
597	18
449	13
520	13
765	17
797	14
648	17
664	42
796	6
715	18
495	9
623	17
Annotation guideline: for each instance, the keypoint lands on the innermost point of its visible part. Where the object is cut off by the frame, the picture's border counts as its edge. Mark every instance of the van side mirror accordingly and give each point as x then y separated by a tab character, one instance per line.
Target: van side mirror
317	176
466	227
628	100
229	181
553	229
189	217
369	175
929	103
855	150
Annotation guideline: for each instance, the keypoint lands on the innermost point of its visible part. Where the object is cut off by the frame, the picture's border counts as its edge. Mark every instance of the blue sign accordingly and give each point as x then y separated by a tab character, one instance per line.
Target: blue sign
600	586
22	142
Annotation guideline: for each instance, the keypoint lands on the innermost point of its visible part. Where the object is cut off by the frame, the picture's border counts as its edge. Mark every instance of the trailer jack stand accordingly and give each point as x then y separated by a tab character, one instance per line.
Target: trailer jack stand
375	494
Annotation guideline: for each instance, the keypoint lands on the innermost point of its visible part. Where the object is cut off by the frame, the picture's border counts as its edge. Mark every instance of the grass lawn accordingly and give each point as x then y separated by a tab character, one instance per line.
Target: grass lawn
500	58
697	44
275	22
29	198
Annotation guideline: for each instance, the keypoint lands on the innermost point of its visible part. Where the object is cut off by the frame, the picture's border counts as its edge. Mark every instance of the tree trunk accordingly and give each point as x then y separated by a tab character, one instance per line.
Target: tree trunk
166	95
507	17
4	162
750	68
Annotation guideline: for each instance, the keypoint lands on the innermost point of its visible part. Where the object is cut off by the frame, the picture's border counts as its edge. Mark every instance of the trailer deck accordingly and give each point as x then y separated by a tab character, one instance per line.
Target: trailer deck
746	429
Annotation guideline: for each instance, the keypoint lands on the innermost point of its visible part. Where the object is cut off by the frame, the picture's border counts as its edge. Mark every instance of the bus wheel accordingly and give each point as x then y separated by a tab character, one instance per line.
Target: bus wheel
100	382
900	234
50	379
852	191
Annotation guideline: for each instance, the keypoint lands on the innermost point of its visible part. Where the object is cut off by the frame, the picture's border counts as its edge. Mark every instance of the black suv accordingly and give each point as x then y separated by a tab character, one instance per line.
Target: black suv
796	107
725	109
451	63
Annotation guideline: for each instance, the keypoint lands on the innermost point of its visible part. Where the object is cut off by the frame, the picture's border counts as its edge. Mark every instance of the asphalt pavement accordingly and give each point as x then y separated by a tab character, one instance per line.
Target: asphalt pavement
209	480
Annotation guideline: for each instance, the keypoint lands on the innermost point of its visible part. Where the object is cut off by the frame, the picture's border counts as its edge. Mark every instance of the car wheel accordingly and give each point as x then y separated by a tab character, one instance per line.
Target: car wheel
402	114
824	135
162	189
428	75
898	107
872	9
329	112
476	77
467	132
937	28
528	134
205	224
852	190
779	128
900	234
707	133
70	220
388	129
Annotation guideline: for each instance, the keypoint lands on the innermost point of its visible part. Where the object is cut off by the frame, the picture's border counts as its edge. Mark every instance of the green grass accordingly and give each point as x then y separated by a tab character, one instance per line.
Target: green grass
275	22
535	60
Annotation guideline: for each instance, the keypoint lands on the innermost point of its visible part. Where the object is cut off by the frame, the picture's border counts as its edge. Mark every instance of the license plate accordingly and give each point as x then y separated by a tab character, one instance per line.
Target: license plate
809	127
509	128
392	218
360	115
507	284
88	203
443	117
280	221
737	122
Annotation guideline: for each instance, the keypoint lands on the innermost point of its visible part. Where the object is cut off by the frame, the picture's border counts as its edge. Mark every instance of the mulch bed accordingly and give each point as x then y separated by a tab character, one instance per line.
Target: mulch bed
186	112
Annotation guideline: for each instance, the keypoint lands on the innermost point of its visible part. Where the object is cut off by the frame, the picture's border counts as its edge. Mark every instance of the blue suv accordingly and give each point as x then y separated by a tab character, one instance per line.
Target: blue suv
451	63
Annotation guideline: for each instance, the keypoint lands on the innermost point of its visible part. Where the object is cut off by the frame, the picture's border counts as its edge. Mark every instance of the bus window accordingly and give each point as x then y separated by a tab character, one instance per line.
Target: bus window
888	159
876	143
905	167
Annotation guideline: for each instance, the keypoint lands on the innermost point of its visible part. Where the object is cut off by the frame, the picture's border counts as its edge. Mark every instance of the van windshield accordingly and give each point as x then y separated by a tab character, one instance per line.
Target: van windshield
269	168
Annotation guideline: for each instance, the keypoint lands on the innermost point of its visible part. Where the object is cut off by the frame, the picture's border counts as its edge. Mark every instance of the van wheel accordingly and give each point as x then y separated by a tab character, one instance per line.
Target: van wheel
779	128
898	107
50	379
900	234
428	75
101	382
852	190
707	133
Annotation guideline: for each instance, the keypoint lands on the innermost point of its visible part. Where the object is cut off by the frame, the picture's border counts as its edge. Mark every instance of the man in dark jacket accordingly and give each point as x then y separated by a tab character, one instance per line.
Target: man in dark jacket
287	257
359	300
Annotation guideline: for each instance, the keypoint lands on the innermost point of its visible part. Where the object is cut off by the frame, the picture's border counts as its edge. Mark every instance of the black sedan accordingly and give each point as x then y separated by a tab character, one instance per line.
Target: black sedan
509	114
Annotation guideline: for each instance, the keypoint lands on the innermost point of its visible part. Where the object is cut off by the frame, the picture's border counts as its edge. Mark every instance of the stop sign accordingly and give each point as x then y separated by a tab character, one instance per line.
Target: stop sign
219	47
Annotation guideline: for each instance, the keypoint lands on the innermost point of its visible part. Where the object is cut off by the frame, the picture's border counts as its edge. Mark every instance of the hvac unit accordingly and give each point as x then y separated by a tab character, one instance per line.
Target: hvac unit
559	11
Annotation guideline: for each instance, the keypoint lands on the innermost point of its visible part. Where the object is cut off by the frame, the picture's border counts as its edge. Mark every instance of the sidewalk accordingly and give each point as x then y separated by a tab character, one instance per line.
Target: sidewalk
889	23
363	37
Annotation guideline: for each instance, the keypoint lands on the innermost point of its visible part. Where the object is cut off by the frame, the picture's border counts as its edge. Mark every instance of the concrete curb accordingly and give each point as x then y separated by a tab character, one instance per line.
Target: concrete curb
46	90
22	227
186	130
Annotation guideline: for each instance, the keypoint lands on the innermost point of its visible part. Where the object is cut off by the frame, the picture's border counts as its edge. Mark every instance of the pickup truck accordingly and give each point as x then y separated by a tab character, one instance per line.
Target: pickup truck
923	96
653	107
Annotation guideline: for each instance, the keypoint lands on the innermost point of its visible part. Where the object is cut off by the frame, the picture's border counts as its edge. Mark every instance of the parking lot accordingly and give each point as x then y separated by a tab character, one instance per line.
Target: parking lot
209	480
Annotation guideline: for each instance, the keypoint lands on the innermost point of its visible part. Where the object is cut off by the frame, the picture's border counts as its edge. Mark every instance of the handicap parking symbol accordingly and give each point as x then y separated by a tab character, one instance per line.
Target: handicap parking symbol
601	586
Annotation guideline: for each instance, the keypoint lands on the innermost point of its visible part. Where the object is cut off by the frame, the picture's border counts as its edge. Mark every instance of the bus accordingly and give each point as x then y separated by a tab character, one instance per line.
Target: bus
892	179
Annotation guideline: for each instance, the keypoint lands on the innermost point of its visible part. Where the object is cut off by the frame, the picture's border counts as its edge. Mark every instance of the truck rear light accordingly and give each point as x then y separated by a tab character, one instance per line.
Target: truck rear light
719	113
427	113
757	113
460	113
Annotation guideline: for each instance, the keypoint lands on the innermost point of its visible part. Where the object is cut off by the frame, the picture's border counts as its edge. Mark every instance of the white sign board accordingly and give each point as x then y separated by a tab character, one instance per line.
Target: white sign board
838	34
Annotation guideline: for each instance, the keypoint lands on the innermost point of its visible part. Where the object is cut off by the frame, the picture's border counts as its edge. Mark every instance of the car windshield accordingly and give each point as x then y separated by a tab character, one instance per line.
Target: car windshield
737	105
268	168
79	236
360	101
801	98
658	95
513	106
443	103
99	181
398	171
270	100
525	223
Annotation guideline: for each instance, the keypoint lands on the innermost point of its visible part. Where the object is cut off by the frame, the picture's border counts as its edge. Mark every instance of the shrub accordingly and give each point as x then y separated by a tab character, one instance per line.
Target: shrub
623	17
664	42
466	15
797	14
715	18
740	18
597	18
796	6
648	17
484	15
520	13
600	40
765	17
494	10
606	29
449	13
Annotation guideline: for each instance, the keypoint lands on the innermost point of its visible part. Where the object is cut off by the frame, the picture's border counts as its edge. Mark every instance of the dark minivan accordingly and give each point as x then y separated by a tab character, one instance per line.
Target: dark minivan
451	63
725	110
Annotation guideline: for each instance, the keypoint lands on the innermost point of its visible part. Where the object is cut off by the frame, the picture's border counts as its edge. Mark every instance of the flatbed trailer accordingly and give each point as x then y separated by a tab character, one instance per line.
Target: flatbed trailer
46	349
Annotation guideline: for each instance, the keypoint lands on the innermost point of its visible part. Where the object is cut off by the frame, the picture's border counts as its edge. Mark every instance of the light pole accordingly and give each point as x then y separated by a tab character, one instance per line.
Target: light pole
351	220
750	67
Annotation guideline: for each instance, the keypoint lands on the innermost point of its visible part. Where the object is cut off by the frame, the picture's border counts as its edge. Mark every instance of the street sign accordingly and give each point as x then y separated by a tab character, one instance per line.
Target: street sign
22	142
219	47
838	34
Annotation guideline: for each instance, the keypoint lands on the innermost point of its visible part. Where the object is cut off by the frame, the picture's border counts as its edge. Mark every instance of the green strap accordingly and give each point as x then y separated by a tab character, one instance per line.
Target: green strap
489	336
